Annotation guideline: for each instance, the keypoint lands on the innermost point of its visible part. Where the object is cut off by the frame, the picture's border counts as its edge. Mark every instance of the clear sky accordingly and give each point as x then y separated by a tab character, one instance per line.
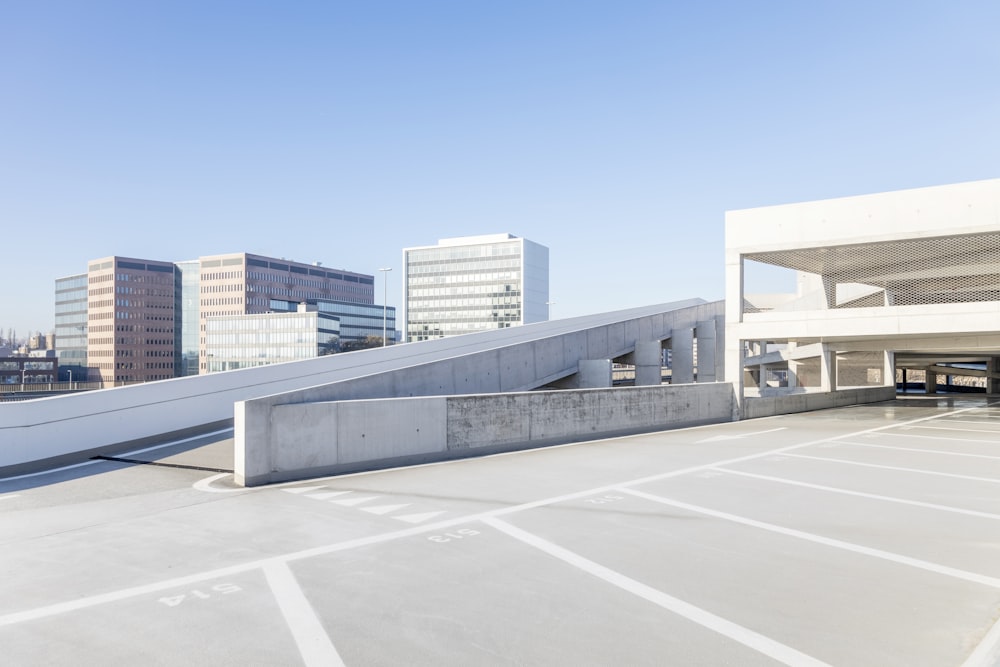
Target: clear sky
617	133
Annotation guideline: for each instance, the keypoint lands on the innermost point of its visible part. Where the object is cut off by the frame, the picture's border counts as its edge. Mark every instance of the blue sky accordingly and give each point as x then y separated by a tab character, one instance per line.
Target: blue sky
615	133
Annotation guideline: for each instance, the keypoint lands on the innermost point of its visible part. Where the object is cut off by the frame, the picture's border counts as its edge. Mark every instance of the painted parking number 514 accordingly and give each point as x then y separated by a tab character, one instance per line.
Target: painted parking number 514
604	499
197	594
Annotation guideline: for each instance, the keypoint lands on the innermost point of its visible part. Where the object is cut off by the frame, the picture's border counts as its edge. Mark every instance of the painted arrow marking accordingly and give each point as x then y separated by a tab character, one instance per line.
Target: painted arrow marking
720	438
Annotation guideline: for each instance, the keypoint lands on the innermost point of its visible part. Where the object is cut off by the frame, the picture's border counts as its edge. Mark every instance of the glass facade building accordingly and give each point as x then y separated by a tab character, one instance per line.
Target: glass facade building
187	313
71	327
245	341
358	321
245	284
474	283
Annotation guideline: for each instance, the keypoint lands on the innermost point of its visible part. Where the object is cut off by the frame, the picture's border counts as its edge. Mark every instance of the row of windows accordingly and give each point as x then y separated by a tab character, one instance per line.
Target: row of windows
471	318
299	294
143	278
225	301
447	295
97	354
74	283
227	287
130	340
464	253
27	365
421	268
125	328
77	306
271	353
269	338
288	279
134	365
143	291
468	279
141	353
252	323
222	275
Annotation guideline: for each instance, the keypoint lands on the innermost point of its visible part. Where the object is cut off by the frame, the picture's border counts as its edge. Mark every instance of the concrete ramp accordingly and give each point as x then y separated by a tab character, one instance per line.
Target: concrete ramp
298	433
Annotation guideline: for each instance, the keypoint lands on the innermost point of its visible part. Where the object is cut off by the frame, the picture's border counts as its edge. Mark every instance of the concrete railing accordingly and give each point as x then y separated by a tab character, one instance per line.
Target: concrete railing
321	438
768	406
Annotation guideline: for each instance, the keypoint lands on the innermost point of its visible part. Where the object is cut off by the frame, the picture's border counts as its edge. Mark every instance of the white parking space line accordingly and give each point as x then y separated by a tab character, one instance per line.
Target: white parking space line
987	654
103	598
921	451
9	496
991	431
826	541
935	473
861	494
314	644
749	638
938	438
967	421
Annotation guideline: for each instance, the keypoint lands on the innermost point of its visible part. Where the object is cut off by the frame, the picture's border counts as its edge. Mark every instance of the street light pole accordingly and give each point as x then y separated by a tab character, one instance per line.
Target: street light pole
385	307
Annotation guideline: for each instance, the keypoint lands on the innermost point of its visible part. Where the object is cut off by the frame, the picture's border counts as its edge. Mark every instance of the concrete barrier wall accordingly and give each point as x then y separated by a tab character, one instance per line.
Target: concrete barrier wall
316	439
804	402
48	431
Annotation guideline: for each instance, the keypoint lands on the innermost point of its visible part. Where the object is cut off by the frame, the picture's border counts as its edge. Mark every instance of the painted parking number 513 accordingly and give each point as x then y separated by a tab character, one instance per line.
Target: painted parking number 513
459	534
197	594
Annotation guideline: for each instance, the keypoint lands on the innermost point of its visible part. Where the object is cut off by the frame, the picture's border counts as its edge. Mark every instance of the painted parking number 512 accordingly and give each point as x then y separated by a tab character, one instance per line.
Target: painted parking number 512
198	594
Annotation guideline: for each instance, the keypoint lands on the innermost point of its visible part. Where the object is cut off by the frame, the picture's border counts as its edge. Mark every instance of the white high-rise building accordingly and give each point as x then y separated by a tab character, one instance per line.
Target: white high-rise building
474	283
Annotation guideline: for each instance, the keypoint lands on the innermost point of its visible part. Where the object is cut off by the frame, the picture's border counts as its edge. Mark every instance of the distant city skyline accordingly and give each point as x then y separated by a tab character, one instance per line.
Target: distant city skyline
617	135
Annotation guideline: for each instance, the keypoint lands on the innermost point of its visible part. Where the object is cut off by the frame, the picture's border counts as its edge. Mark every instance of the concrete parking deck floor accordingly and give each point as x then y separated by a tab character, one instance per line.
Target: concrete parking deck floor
859	536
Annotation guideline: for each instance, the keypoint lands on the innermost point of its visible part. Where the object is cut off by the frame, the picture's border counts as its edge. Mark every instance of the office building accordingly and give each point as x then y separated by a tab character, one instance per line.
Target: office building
135	320
187	332
130	320
474	283
245	341
359	322
245	284
71	327
29	370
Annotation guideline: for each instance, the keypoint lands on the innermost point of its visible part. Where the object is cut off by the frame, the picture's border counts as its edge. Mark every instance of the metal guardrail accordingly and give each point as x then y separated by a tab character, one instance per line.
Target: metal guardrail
48	388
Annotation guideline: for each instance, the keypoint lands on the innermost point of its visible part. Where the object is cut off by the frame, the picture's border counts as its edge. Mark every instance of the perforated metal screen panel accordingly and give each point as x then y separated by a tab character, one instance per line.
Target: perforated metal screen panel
938	270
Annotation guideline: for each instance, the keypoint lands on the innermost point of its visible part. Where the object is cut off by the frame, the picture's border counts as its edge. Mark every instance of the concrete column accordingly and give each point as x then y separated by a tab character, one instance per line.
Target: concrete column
993	376
889	369
705	334
720	349
930	385
828	369
648	363
682	346
793	374
594	373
